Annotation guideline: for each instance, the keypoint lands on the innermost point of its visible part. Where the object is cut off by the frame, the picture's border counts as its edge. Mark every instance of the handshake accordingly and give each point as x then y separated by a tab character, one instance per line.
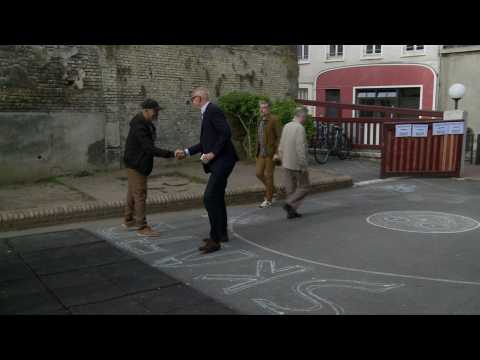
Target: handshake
205	158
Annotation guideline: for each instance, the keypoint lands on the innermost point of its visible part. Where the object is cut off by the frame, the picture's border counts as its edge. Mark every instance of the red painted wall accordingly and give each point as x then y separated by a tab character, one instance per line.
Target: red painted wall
346	79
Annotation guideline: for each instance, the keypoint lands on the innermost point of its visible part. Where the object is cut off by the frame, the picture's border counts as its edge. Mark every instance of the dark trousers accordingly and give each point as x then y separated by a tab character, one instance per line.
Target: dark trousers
214	201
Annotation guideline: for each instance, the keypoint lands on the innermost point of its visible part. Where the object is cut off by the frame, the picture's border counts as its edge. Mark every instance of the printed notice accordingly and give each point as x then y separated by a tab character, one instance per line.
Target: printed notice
419	130
403	130
456	128
440	129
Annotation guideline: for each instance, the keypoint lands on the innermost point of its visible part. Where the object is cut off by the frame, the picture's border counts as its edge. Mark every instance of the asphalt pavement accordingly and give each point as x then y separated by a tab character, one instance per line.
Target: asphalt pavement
406	246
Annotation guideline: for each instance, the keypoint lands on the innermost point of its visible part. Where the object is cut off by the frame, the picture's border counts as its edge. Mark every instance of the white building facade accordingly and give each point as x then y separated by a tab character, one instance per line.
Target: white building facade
383	75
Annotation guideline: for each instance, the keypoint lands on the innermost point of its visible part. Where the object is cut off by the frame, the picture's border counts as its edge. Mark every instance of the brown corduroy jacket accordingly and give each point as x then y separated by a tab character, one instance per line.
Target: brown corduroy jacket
272	135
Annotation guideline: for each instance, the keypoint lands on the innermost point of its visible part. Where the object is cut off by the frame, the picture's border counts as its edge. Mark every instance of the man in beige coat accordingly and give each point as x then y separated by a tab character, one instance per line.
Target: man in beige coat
292	152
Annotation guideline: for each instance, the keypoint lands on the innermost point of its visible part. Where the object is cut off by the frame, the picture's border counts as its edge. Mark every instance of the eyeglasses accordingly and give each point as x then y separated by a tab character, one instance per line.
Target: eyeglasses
193	97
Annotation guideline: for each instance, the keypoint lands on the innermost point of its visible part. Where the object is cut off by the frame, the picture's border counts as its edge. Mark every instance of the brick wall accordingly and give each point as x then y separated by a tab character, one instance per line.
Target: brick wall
108	82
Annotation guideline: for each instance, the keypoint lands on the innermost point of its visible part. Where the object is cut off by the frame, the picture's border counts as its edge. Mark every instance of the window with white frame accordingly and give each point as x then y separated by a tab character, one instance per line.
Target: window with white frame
414	49
303	93
303	52
372	50
334	52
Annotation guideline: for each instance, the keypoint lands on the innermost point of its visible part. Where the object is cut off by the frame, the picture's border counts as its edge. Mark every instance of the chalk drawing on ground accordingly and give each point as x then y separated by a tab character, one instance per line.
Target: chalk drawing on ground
423	222
193	258
400	188
266	272
141	247
308	291
118	232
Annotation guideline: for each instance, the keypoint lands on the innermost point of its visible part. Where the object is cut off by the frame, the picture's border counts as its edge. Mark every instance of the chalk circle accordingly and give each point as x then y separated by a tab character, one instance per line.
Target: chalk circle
427	222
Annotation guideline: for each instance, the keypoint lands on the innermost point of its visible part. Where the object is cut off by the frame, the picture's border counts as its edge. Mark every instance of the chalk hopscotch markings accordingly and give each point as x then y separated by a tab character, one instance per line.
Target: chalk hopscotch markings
337	267
426	222
147	246
140	246
266	272
118	232
193	258
307	290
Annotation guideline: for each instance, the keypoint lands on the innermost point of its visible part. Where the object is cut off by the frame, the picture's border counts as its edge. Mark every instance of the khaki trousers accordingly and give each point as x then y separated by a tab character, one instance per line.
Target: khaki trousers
265	168
136	198
297	186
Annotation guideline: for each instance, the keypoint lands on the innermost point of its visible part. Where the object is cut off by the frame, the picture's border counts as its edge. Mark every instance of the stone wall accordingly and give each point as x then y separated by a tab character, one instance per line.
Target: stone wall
66	108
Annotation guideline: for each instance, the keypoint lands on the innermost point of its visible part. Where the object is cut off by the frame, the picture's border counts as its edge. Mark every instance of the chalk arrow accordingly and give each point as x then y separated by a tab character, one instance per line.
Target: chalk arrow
266	271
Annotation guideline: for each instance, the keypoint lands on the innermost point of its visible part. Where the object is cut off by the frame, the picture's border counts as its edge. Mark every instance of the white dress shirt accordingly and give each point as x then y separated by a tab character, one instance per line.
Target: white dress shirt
203	109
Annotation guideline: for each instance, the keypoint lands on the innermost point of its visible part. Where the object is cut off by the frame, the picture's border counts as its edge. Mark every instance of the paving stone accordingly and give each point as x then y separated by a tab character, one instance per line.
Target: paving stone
38	242
135	276
207	308
74	258
171	298
82	287
123	306
26	296
13	268
4	249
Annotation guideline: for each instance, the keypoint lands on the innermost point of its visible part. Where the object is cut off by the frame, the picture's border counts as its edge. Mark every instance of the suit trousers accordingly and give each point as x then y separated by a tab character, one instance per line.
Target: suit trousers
214	201
265	168
297	184
136	198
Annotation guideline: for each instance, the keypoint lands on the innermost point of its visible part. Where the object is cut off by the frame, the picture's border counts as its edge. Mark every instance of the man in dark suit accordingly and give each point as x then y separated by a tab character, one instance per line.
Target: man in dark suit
218	158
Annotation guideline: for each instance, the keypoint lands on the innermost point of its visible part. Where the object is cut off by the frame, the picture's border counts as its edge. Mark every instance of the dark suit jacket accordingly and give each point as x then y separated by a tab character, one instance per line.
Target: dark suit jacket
216	138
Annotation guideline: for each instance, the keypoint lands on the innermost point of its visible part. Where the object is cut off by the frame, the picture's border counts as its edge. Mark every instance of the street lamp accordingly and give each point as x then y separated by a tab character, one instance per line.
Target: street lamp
456	92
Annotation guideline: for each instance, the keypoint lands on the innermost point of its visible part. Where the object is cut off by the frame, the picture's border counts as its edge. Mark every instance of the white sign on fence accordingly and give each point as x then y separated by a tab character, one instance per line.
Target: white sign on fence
403	130
419	130
440	129
456	128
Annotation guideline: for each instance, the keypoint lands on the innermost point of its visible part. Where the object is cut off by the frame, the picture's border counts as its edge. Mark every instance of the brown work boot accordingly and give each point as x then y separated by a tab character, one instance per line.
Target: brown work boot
210	247
147	231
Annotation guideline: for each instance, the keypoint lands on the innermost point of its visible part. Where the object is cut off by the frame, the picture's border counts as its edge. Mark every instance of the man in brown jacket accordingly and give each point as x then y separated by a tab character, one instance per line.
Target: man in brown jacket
268	138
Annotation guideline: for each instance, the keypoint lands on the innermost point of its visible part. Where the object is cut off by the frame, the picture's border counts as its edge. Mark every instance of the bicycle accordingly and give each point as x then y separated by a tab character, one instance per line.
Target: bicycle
328	142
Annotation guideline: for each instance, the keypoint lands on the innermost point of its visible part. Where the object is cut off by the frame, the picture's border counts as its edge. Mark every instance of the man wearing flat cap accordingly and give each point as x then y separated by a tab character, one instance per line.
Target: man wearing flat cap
140	150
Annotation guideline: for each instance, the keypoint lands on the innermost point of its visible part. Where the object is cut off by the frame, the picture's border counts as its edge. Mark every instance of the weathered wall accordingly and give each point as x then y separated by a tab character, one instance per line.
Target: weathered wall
66	108
462	66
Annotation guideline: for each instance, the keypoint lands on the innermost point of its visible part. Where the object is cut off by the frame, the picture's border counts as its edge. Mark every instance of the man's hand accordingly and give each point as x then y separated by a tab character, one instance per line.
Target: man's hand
180	154
209	157
206	158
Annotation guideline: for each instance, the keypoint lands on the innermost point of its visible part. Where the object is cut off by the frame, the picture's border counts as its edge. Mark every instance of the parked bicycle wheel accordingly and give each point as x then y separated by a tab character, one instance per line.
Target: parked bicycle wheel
344	147
322	151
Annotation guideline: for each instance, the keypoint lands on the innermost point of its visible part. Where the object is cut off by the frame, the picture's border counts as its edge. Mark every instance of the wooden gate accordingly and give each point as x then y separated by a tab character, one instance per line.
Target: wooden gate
439	156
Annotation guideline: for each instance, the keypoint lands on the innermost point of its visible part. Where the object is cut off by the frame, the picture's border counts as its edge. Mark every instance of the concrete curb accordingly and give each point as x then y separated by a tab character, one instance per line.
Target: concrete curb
97	210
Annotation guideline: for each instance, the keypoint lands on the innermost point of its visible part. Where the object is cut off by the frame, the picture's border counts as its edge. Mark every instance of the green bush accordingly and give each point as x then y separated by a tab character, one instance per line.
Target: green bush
244	107
285	110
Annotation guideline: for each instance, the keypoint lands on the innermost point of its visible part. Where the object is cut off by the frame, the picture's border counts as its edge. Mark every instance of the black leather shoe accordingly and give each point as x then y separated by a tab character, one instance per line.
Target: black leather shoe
290	211
211	246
